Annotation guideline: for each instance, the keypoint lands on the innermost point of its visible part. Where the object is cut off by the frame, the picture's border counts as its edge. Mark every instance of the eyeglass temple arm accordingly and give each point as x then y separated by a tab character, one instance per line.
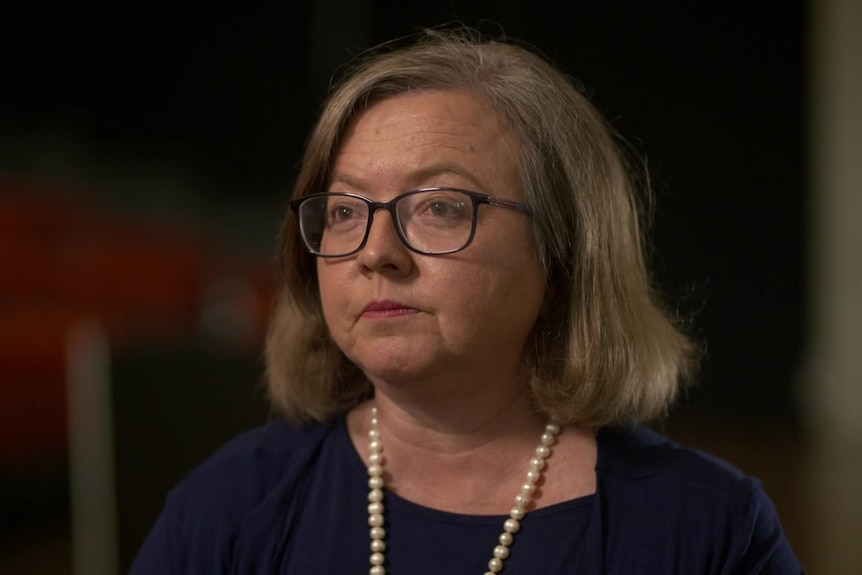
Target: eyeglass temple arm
504	203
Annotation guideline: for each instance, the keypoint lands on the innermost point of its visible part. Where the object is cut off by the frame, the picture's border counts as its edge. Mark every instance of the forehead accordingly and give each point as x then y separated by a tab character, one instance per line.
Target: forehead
416	135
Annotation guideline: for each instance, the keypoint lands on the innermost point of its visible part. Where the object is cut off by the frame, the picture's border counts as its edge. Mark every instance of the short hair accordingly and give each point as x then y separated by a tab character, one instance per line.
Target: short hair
610	351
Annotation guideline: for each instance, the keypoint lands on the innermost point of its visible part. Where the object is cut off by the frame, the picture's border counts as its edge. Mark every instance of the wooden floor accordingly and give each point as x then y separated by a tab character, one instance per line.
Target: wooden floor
815	489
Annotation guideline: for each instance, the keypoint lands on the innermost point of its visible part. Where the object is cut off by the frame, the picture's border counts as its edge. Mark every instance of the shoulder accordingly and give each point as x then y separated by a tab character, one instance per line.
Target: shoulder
252	463
253	474
657	494
275	444
638	453
637	463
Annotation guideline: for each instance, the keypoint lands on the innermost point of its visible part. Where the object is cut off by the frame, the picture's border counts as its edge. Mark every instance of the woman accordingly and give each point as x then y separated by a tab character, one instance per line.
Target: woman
464	346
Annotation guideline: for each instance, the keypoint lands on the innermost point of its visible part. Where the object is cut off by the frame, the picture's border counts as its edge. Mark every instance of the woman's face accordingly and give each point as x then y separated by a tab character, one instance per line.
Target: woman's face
401	316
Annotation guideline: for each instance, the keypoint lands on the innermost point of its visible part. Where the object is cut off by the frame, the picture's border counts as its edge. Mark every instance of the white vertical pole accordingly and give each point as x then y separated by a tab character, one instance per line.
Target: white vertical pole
91	452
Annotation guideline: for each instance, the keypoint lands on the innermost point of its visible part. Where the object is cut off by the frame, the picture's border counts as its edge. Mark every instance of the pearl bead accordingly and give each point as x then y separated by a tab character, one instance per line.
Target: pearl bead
375	482
548	439
375	470
375	495
375	458
375	520
377	559
533	476
528	488
377	532
517	512
506	538
495	565
375	508
512	525
378	546
537	463
377	570
522	500
501	552
543	451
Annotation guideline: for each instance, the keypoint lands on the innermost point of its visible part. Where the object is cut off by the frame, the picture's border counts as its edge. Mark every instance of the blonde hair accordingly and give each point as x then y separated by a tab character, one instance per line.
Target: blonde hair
609	351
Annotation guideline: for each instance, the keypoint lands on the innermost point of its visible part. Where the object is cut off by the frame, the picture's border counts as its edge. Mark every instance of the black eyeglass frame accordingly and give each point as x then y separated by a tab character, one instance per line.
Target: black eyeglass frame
390	206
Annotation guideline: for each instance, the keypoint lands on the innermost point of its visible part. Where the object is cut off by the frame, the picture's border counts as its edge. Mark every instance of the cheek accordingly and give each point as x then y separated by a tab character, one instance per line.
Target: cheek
496	296
333	294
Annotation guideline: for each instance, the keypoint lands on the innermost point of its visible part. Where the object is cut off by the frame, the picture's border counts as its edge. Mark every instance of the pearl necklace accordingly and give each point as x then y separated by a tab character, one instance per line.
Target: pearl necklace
511	526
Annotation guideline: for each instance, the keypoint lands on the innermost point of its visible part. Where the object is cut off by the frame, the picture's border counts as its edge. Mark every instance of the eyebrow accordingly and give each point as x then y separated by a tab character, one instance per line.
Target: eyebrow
415	178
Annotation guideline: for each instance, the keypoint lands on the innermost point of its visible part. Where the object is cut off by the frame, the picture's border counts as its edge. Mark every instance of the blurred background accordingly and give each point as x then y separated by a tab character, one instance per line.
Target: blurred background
147	152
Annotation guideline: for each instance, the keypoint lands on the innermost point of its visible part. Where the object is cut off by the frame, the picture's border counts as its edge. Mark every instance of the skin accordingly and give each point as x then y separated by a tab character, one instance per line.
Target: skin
445	352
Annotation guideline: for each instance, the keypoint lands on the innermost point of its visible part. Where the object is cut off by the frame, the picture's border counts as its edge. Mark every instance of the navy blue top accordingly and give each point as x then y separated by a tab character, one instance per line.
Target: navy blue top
293	500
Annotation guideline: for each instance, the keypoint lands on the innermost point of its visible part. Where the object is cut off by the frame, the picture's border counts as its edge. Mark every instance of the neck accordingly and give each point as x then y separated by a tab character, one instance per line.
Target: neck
450	425
443	407
467	457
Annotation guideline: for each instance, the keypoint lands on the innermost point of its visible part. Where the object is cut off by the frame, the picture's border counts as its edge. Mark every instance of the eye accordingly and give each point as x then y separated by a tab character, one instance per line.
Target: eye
341	213
441	208
343	210
448	207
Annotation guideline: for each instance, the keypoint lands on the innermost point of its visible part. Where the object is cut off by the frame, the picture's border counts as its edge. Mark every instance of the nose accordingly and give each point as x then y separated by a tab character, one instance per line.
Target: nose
383	250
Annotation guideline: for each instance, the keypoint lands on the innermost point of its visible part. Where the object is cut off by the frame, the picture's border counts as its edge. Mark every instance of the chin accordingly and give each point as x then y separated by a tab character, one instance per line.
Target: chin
397	366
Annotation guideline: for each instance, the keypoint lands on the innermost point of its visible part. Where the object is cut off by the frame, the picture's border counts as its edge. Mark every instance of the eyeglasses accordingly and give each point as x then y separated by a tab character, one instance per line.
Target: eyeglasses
430	221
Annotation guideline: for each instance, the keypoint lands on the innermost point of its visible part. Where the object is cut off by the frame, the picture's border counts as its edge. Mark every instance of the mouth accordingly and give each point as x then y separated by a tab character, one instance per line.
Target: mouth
387	309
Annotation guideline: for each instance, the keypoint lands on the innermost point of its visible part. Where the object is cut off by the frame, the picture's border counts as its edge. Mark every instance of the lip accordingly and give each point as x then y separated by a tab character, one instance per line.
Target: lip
387	309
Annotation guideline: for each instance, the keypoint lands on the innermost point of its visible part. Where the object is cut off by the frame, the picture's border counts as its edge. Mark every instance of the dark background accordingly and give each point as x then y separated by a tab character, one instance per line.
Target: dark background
713	95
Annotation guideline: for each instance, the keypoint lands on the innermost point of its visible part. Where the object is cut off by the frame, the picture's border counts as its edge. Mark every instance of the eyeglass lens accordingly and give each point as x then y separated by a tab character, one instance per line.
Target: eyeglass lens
430	221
